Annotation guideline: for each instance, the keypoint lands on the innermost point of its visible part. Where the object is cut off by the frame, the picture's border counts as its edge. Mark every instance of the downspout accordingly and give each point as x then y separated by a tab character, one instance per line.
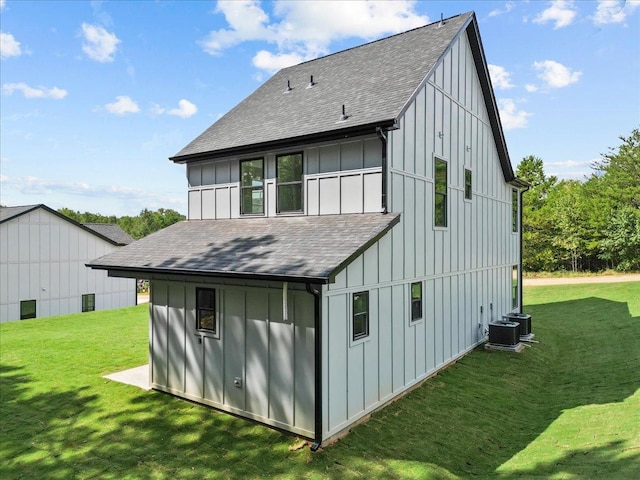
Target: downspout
383	139
520	273
317	441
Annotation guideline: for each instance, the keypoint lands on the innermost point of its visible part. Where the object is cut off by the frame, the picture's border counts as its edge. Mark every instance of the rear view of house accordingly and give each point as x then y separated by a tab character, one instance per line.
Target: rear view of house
353	228
42	265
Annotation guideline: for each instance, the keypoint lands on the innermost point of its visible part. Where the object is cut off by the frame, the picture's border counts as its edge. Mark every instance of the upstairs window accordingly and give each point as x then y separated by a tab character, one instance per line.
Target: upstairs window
289	182
89	302
360	323
467	184
206	310
514	210
416	301
27	309
252	187
440	193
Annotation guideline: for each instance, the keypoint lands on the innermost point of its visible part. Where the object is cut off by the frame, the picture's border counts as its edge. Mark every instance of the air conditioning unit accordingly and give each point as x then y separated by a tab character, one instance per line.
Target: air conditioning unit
521	319
504	333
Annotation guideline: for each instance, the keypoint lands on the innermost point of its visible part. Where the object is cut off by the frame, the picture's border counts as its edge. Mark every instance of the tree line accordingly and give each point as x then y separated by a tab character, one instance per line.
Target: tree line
139	226
588	225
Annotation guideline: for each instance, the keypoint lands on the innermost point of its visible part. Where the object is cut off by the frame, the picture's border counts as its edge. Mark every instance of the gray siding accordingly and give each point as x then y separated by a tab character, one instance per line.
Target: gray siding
272	356
42	258
337	178
465	269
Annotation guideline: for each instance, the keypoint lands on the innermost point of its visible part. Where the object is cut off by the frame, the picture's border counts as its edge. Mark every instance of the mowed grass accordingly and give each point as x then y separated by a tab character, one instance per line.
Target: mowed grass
565	408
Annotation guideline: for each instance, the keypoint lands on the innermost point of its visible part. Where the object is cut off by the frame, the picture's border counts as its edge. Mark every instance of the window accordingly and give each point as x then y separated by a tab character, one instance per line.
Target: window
206	309
360	315
89	302
289	182
416	301
514	210
514	287
467	184
27	309
252	187
440	191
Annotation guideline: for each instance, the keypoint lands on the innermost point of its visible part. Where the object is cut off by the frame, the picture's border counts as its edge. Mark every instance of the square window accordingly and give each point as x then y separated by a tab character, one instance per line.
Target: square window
360	324
27	309
89	302
416	301
206	309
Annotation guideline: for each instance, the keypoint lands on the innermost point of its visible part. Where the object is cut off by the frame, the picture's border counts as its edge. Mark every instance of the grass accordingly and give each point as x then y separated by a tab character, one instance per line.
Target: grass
566	408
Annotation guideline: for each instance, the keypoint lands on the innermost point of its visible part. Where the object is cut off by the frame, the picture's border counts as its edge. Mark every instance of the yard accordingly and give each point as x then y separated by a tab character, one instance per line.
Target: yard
567	407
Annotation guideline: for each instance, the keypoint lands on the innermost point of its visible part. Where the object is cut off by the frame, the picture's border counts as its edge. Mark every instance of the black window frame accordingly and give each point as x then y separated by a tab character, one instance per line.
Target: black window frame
416	303
30	314
211	309
514	210
289	183
356	316
88	302
251	188
440	192
468	184
515	287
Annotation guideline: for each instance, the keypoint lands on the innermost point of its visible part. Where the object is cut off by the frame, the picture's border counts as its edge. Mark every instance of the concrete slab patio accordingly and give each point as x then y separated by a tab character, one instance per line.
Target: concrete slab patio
138	377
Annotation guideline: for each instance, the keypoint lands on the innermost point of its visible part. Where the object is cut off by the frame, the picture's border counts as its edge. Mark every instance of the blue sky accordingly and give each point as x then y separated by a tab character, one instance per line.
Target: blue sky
95	96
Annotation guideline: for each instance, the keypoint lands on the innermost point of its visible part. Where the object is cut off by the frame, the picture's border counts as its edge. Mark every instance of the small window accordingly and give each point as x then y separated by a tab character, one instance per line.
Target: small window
89	302
467	184
206	309
27	309
360	315
514	287
252	187
514	210
440	193
416	301
289	182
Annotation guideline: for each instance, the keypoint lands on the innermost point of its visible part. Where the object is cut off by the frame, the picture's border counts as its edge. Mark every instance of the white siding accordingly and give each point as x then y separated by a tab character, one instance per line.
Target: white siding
43	258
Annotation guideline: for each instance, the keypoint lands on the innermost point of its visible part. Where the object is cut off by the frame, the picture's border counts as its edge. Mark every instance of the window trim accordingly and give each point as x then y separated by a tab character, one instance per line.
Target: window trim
216	327
515	287
92	304
364	335
468	197
445	194
296	182
35	309
251	187
414	301
515	210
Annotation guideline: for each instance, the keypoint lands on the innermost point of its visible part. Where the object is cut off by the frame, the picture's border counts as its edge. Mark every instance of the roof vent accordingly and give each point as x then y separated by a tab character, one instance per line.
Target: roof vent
288	87
441	23
311	82
344	116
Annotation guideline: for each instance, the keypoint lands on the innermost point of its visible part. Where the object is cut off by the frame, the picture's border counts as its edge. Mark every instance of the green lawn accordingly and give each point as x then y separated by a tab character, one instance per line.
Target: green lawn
566	408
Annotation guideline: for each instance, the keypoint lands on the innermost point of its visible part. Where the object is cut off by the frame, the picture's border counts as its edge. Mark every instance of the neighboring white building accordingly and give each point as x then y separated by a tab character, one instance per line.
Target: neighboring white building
353	228
42	265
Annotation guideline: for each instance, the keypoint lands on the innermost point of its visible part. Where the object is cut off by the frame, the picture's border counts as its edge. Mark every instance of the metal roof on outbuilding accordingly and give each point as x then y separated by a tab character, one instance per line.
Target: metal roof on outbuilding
301	248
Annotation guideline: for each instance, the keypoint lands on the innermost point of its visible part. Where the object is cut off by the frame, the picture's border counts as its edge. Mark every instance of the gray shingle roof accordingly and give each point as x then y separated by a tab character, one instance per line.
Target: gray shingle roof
302	248
7	213
112	231
374	81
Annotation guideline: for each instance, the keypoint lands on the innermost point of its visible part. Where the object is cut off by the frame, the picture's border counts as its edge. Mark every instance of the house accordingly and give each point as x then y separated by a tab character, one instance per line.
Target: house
353	228
42	265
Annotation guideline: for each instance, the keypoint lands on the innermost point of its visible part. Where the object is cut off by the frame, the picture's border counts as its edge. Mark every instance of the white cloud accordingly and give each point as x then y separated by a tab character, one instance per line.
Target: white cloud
500	77
304	30
510	116
529	87
9	46
2	4
562	12
569	163
507	8
614	11
556	75
99	45
185	109
31	92
122	106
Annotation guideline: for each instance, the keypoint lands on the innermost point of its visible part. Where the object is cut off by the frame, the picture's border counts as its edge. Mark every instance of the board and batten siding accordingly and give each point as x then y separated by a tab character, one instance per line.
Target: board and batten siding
465	269
272	357
43	257
338	178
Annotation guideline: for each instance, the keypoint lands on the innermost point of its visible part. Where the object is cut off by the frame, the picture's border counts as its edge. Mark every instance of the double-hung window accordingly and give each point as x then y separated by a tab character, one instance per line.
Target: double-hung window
440	194
206	310
467	184
252	186
360	320
289	182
